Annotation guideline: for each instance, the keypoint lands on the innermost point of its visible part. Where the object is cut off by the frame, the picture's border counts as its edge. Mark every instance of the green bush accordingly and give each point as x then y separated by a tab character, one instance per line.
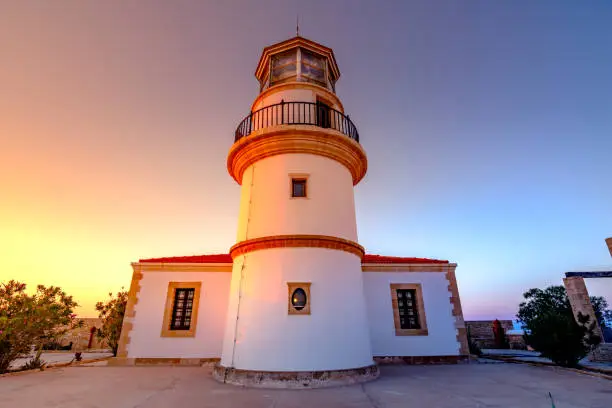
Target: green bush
560	338
34	363
473	346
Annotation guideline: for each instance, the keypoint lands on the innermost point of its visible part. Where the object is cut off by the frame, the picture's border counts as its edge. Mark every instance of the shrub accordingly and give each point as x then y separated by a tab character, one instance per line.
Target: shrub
31	320
559	337
112	313
34	363
473	346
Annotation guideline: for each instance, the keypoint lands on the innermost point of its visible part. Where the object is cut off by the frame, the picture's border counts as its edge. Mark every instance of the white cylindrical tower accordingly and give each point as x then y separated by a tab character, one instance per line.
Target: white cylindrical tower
297	312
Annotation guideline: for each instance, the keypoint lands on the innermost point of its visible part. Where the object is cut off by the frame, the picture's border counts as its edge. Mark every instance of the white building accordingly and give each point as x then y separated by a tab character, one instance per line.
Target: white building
296	302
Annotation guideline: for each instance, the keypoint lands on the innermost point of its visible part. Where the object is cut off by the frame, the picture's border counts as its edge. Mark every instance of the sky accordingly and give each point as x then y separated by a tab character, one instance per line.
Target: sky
487	126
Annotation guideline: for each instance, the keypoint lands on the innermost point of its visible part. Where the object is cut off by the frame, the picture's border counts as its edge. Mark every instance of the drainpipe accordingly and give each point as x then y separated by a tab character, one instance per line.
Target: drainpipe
242	270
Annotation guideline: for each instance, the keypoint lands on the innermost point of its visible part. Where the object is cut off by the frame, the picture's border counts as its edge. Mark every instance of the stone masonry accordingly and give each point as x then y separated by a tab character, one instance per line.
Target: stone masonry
579	299
481	331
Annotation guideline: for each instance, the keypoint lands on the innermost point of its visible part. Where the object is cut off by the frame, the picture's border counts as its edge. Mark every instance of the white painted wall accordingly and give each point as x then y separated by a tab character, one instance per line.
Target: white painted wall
328	210
306	94
145	335
441	339
334	336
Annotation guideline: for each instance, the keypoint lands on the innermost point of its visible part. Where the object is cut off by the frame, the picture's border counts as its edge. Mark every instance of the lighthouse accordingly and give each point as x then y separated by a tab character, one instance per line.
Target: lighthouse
296	303
296	308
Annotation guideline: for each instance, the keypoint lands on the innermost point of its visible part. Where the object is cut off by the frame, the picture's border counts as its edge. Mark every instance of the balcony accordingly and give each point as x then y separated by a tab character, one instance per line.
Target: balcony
297	113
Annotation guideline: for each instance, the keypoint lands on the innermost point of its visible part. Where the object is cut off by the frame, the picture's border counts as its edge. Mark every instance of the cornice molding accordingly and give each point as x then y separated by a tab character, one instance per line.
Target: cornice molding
183	267
292	139
408	267
297	241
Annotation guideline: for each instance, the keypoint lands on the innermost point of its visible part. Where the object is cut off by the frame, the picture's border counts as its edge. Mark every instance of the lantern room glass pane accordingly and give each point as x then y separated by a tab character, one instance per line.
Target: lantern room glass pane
283	66
313	67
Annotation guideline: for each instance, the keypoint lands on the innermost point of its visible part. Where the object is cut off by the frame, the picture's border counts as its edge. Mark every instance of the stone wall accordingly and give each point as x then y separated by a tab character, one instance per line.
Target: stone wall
481	331
79	337
603	353
580	301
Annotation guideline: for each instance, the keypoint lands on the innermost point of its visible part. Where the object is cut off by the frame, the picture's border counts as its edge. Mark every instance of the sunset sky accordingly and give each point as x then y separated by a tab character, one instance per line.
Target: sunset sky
488	128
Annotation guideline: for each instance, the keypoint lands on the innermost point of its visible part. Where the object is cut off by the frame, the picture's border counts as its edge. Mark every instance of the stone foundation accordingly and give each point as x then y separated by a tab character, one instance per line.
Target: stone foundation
418	360
141	361
295	379
602	354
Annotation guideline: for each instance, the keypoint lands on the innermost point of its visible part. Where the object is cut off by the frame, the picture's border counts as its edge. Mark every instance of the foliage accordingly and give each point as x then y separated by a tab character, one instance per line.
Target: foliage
602	313
551	329
562	339
112	313
31	320
34	363
554	298
473	346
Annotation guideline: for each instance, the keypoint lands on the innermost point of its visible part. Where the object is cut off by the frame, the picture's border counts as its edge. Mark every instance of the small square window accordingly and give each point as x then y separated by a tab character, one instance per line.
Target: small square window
298	187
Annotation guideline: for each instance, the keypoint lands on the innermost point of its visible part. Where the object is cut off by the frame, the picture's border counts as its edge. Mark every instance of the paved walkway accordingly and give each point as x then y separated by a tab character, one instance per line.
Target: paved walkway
469	385
534	357
55	358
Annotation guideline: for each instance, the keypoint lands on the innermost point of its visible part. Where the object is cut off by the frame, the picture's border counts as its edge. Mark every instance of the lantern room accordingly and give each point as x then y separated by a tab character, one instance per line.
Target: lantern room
297	60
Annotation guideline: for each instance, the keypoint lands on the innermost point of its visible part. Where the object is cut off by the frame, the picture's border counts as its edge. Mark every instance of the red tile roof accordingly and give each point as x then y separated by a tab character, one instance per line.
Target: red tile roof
226	258
381	259
215	258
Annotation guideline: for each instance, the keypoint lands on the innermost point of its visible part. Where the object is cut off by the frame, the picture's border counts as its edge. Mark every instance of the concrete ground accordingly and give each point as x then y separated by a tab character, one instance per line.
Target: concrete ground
534	357
466	385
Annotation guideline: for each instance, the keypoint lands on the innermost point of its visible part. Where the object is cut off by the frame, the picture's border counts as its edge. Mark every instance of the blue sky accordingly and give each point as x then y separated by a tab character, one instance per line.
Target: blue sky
487	125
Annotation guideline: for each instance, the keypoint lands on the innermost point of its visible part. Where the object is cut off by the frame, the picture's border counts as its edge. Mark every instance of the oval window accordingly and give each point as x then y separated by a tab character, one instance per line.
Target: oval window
298	299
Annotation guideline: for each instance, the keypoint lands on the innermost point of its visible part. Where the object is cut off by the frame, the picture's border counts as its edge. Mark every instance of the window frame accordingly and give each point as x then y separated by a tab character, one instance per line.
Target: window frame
420	309
298	177
291	287
167	331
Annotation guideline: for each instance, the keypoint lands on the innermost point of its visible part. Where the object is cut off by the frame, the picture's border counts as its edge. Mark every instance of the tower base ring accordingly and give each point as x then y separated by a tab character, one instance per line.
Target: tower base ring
294	379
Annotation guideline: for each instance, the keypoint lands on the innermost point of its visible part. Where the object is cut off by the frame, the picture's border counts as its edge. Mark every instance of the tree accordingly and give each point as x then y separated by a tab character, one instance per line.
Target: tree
562	339
112	313
602	313
550	326
31	320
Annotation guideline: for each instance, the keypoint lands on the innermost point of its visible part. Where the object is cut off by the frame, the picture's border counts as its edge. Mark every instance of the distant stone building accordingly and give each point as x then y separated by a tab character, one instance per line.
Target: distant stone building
85	337
481	331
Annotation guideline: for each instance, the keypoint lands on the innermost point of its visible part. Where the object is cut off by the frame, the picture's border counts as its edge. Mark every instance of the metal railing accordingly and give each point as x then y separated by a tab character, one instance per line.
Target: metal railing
297	113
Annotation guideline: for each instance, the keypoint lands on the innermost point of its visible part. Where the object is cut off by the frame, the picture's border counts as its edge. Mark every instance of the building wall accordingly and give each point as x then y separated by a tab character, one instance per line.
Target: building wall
266	208
306	93
145	336
481	331
78	337
442	334
334	336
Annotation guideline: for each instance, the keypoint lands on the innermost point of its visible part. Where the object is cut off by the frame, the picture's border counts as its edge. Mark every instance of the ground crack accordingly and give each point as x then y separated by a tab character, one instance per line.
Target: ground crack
170	386
372	401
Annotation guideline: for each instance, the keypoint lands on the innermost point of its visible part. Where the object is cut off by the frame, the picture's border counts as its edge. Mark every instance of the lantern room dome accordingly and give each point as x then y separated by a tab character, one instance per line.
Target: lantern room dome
297	60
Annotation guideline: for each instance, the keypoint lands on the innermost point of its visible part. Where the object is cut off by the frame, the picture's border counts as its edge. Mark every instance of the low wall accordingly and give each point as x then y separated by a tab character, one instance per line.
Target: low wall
602	354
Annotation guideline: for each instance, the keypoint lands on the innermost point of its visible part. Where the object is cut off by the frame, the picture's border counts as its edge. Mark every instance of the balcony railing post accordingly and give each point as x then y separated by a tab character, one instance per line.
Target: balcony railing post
282	111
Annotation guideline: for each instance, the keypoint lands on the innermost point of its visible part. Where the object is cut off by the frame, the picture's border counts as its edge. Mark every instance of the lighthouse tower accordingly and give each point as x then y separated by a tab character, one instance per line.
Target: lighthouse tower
297	312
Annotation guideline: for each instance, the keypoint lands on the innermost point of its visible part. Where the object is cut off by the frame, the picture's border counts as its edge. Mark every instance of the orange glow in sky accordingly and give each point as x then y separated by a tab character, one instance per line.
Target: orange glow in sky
487	130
